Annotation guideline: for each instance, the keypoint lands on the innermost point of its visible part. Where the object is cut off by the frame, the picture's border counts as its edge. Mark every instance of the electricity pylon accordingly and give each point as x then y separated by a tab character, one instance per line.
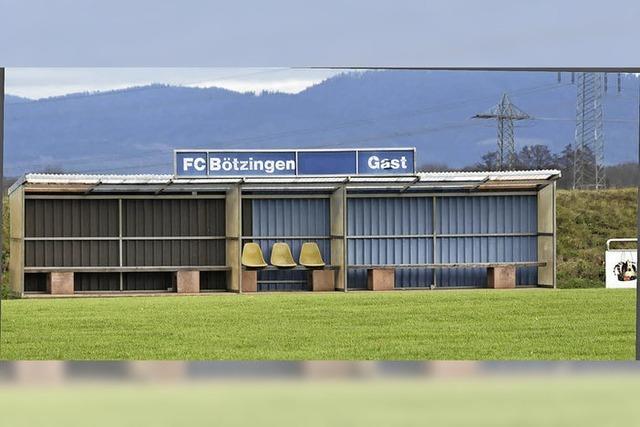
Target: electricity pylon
588	160
505	114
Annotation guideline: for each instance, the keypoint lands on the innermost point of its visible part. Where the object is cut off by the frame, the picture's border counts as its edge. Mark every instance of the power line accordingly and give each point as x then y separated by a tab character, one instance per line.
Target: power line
567	119
505	113
335	127
395	135
377	119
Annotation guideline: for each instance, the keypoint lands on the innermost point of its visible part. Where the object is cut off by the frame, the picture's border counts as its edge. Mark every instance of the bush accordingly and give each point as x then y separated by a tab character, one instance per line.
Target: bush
6	292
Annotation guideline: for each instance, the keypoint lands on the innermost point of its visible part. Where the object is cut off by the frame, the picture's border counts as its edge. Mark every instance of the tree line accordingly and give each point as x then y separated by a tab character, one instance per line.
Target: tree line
539	156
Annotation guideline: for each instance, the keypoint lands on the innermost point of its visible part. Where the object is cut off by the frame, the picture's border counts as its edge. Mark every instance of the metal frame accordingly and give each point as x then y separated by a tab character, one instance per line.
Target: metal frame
451	265
285	196
285	237
434	235
127	269
484	193
123	196
384	188
628	240
120	238
295	237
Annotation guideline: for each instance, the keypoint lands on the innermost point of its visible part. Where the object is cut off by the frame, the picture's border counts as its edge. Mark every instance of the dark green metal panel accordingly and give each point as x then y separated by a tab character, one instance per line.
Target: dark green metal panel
173	217
95	282
71	218
71	253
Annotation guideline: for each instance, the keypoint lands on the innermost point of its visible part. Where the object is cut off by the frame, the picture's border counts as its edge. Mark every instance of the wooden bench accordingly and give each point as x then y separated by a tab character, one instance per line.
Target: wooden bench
500	275
60	280
321	279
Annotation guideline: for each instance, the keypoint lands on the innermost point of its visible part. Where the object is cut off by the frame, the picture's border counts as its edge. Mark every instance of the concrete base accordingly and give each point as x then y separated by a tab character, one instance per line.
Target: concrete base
188	282
381	279
501	277
322	280
249	281
60	283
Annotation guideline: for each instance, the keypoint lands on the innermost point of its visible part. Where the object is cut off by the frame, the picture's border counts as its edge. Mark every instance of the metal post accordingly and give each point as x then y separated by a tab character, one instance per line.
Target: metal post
434	246
638	231
2	164
345	241
120	243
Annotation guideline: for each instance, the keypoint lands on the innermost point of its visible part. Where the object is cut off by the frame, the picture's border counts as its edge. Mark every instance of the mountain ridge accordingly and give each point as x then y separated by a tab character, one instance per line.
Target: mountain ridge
135	130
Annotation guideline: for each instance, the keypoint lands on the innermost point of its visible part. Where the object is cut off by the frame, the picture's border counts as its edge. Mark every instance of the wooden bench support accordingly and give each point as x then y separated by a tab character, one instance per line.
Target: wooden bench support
188	281
322	280
60	283
381	279
501	277
249	281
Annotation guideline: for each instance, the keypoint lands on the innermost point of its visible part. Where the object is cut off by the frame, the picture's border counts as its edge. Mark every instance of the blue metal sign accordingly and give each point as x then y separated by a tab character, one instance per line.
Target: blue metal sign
209	163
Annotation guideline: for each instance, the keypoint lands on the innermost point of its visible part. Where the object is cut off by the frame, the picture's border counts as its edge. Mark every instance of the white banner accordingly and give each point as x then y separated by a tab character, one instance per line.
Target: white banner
621	268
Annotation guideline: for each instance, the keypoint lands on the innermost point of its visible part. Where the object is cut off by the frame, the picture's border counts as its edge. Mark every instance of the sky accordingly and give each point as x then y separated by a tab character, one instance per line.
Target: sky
36	83
294	33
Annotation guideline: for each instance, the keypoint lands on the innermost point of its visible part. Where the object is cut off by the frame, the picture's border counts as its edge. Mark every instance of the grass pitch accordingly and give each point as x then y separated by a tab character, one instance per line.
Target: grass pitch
401	325
493	401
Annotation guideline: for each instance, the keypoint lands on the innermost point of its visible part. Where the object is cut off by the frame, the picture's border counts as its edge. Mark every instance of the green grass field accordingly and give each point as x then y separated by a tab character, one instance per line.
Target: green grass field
466	324
495	402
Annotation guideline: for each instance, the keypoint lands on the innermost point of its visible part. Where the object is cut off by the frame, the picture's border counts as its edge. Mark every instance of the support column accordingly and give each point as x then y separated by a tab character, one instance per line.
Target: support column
233	214
249	281
338	208
188	281
381	279
322	280
60	283
547	235
16	242
501	277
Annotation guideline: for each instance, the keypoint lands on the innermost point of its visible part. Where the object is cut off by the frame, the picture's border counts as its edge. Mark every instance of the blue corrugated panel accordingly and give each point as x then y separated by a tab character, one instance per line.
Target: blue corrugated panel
389	216
482	215
484	249
397	216
290	218
454	216
486	214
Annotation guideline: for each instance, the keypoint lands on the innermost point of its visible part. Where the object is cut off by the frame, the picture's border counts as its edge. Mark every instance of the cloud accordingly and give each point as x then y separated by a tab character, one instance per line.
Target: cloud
285	86
36	83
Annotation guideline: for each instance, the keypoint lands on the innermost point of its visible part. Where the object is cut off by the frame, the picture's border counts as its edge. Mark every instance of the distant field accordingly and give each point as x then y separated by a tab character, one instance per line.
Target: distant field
469	324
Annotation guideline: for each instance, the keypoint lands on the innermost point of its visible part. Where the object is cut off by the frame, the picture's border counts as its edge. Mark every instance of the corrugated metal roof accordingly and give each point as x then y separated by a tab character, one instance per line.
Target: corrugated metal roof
450	178
520	175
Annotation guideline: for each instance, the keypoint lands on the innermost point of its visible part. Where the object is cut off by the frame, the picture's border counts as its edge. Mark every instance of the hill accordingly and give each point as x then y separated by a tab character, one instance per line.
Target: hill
12	99
135	130
585	221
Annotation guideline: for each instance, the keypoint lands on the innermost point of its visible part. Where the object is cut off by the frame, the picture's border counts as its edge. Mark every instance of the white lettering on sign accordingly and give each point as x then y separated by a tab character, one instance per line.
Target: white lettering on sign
376	162
197	163
233	164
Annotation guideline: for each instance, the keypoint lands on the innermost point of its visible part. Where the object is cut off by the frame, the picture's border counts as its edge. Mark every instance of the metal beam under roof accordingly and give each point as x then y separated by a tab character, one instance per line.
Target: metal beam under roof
59	183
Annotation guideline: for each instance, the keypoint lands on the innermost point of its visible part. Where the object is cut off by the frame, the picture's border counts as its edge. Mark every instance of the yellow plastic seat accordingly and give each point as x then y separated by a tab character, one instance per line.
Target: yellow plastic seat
281	256
310	255
252	256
